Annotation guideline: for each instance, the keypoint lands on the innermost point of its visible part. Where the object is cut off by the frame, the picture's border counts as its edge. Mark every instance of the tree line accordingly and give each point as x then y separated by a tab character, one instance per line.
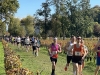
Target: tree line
75	17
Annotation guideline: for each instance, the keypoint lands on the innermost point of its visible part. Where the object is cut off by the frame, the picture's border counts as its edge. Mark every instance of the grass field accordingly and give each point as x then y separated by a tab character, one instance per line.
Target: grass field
2	70
42	62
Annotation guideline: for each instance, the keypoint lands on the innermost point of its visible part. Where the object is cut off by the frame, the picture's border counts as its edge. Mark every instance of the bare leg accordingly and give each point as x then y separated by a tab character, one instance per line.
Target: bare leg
36	51
80	69
75	66
97	69
74	69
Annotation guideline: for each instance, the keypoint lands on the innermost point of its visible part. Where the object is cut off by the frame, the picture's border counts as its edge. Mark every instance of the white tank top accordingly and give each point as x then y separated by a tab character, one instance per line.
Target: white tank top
18	39
27	41
68	49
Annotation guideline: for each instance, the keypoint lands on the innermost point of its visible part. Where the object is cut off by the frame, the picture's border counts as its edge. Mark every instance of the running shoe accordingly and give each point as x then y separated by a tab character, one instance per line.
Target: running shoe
65	68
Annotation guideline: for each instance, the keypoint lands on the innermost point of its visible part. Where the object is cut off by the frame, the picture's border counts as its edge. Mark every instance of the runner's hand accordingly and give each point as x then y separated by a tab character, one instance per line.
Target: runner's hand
83	58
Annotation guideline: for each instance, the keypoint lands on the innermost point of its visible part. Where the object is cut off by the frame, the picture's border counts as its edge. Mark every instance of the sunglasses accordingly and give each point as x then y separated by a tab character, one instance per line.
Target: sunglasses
79	38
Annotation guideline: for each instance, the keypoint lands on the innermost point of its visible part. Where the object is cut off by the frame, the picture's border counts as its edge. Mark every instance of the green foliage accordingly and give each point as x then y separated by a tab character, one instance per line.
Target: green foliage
56	25
97	29
15	27
72	17
28	23
7	9
2	28
2	70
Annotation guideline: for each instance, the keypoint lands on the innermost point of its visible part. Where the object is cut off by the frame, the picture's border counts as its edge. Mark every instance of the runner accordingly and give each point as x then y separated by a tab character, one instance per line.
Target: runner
86	50
97	50
53	52
78	56
27	43
38	45
67	49
34	47
18	41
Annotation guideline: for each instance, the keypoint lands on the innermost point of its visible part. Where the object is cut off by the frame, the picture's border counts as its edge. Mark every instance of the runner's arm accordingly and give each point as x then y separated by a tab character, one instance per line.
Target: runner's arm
96	47
86	49
66	47
84	53
59	48
49	50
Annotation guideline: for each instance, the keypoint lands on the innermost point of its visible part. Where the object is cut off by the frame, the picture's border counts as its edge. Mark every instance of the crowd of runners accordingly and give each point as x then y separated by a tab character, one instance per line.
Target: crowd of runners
75	50
26	42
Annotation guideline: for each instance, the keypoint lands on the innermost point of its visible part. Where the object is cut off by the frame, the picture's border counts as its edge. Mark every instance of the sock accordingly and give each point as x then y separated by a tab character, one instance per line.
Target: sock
74	73
53	71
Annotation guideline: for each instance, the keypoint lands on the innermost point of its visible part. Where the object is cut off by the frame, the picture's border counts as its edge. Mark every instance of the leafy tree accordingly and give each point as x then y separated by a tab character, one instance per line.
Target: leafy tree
56	25
97	30
95	13
7	9
45	12
28	23
2	28
15	28
72	17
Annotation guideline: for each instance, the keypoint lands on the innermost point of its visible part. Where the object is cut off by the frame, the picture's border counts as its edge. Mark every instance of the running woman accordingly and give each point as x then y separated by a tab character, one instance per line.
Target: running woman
53	52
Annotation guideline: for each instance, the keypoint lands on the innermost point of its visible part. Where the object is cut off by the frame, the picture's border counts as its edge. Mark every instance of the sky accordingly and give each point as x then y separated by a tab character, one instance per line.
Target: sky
29	7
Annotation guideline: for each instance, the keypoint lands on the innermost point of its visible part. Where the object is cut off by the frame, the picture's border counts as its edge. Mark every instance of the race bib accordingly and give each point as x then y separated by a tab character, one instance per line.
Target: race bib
54	52
77	53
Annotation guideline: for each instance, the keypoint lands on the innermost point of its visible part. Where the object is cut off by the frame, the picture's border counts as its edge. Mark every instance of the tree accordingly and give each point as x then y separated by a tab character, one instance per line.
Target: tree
97	30
71	17
45	12
7	9
28	23
15	28
56	25
80	20
95	13
2	28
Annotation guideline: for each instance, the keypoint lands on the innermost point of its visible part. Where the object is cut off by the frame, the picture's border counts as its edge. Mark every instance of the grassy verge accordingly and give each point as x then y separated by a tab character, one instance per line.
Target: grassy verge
2	70
42	62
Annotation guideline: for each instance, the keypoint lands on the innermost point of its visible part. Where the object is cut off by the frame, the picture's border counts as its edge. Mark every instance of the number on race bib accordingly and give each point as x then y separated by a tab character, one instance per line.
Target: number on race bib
77	53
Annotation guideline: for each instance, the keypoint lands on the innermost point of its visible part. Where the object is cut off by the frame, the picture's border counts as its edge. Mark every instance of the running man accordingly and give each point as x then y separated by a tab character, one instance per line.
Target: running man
18	41
78	56
53	52
38	45
34	47
27	43
69	52
97	50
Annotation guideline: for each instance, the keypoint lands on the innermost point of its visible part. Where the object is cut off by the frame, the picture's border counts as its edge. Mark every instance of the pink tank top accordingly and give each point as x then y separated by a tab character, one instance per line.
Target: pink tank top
54	49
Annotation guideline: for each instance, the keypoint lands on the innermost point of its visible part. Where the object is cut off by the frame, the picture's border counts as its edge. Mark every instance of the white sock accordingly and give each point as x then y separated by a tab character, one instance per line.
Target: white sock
74	73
